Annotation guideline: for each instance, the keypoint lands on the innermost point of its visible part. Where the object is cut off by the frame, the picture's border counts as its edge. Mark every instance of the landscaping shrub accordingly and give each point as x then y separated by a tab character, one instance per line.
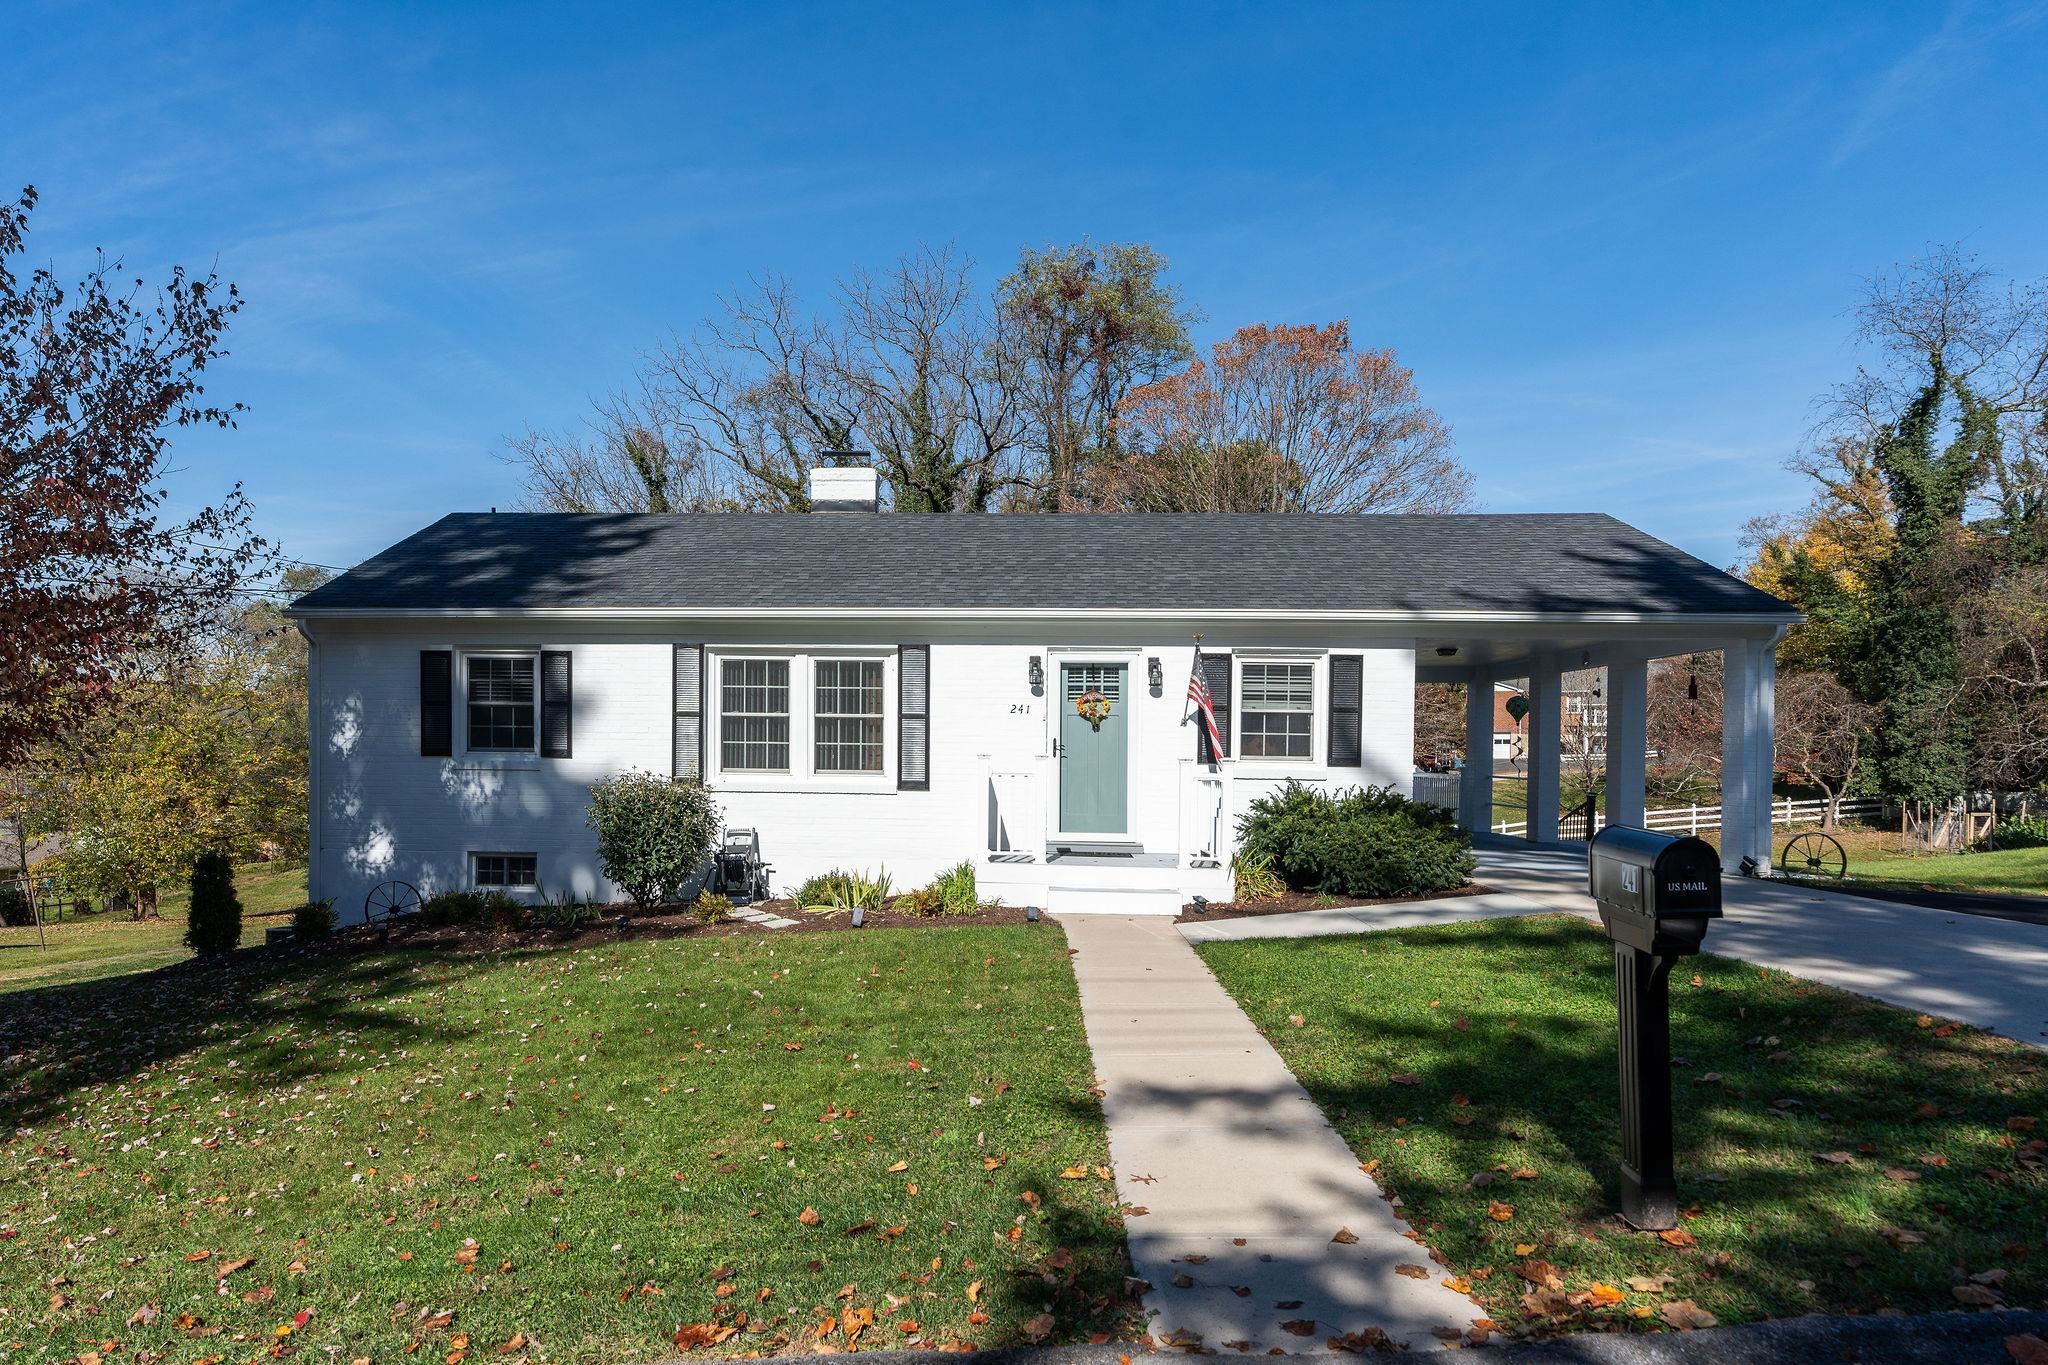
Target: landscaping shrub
14	907
1365	842
1253	877
564	914
712	908
2028	832
314	920
213	921
838	890
653	833
955	890
495	908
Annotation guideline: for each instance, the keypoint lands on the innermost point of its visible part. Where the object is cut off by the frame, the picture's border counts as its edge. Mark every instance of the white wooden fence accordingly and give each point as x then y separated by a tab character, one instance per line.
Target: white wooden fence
1694	819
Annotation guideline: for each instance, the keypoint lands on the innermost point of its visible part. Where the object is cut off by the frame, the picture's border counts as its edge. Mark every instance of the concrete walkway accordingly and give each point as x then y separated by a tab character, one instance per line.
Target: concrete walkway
1244	1182
1331	923
1989	972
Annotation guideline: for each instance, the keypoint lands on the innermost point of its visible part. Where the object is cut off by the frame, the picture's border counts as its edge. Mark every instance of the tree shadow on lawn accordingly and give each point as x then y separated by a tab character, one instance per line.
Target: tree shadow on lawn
1777	1070
287	1007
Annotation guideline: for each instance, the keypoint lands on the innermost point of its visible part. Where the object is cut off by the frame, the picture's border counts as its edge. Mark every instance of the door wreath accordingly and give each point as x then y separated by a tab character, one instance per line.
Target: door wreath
1092	707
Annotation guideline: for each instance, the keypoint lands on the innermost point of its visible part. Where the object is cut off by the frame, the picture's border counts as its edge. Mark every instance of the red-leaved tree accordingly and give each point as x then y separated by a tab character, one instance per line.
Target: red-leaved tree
93	379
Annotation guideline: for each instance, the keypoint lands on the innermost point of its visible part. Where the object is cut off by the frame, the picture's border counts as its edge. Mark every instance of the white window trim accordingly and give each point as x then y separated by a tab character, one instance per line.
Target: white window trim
532	656
1317	761
803	774
476	885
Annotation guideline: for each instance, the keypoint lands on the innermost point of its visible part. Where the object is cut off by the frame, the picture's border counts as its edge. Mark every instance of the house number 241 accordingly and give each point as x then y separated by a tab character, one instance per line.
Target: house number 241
1020	708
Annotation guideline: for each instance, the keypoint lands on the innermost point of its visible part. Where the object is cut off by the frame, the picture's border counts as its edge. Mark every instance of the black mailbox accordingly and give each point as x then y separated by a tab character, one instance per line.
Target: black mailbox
1656	893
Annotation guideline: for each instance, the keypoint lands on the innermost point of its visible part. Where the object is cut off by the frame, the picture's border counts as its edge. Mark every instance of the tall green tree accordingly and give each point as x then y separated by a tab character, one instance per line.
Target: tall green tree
1088	324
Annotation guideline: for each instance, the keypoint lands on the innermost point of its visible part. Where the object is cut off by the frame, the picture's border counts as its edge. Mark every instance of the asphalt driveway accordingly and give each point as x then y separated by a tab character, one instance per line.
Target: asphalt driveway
1989	972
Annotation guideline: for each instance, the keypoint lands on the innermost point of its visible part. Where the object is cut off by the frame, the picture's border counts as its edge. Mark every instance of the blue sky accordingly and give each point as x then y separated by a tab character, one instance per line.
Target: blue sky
1617	243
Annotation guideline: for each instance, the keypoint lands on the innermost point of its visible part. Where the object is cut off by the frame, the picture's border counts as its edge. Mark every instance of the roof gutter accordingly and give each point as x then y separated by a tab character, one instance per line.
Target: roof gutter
1779	619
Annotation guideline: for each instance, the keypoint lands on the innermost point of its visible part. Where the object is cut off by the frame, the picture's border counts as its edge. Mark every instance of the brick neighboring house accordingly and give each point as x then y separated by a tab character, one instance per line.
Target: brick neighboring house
1583	729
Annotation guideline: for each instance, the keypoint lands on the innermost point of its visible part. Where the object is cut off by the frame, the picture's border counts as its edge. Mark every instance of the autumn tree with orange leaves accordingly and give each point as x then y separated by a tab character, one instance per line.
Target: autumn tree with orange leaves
1283	418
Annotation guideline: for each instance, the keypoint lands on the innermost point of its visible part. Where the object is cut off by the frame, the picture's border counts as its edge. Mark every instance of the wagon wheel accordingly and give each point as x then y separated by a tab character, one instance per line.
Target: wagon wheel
388	900
1814	855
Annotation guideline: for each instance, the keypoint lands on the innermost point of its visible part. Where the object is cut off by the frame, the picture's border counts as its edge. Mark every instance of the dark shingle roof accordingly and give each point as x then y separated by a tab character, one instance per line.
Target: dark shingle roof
1568	563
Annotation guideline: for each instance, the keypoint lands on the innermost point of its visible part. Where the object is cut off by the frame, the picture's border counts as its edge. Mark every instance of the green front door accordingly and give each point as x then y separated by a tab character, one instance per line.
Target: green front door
1094	767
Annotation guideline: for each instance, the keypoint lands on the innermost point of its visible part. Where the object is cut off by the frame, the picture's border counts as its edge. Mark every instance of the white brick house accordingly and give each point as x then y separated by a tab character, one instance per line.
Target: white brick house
874	690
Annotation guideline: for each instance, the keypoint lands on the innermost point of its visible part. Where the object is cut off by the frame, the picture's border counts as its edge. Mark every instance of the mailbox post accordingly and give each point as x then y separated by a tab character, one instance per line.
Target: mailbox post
1656	893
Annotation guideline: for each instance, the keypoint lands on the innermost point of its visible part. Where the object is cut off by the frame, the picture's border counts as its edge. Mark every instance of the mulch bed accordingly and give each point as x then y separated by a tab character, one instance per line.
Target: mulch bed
621	921
1295	902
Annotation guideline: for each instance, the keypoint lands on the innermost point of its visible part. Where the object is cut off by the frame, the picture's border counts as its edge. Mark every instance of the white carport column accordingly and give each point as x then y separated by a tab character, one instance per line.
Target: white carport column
1749	687
1628	739
1475	783
1545	704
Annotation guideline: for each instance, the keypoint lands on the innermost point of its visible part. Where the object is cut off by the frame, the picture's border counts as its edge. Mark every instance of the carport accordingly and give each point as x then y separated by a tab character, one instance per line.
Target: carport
1744	625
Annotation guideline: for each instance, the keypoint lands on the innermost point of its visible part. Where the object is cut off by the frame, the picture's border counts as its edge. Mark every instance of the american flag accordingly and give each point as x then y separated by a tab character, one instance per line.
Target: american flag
1198	693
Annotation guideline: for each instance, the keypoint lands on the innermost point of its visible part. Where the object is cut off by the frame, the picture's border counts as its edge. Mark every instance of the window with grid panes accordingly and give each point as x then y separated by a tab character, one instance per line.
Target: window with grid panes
500	702
753	725
1277	711
847	716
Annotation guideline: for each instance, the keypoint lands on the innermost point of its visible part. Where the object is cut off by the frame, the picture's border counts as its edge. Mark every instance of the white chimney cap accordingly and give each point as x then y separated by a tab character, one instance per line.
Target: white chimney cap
845	488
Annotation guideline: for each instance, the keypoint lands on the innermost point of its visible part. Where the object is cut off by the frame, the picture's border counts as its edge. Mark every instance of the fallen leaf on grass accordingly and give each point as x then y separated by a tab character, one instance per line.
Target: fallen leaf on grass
2027	1350
1405	1078
1648	1284
1977	1296
1499	1212
1604	1295
974	1292
228	1268
809	1217
1686	1315
899	1166
1894	1173
1677	1237
1835	1158
1038	1328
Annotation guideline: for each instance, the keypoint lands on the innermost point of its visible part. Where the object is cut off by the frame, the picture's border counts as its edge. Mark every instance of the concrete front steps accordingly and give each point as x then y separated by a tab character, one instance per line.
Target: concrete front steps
1088	885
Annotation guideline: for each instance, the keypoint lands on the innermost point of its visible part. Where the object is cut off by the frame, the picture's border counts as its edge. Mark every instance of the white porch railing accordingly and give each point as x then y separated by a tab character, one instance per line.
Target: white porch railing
1204	835
1016	812
1694	819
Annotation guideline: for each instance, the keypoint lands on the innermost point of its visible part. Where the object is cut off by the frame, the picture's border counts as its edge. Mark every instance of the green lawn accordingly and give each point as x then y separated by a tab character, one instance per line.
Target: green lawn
89	947
581	1149
1476	1065
2019	870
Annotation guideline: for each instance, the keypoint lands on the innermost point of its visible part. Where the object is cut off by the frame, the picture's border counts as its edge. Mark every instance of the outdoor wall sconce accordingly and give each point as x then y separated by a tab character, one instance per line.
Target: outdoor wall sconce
1037	676
1155	675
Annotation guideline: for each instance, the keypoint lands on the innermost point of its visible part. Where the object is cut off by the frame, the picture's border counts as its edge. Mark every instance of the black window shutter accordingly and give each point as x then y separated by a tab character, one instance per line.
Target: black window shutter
1216	672
913	718
1347	700
556	707
688	761
437	703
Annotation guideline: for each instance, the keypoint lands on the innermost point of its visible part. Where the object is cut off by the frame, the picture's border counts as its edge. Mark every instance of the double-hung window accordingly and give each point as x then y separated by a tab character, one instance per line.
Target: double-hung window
804	717
753	727
501	701
1277	711
846	708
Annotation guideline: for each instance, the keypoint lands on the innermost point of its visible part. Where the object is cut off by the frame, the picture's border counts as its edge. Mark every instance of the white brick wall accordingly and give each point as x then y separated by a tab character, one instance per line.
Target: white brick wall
383	812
